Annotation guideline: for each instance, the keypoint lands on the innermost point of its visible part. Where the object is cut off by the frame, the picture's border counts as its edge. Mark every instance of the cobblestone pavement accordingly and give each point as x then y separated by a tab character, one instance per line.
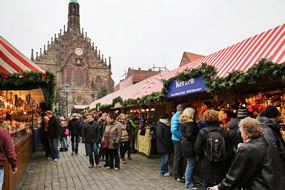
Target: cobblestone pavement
72	172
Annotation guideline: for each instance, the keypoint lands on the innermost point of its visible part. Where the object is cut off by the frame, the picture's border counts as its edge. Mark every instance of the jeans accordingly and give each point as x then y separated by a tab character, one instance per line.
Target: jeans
114	155
163	164
75	148
125	146
189	173
63	142
54	148
178	160
1	178
92	148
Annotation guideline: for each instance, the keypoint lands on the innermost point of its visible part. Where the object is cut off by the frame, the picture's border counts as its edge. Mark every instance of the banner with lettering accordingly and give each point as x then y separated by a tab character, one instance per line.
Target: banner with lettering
181	88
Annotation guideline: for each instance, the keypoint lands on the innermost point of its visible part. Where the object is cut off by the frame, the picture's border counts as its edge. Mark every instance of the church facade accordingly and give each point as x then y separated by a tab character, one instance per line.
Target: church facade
82	72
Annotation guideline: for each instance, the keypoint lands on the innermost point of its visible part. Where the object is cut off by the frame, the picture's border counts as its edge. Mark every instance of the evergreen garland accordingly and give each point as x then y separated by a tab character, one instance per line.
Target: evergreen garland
117	99
27	78
264	69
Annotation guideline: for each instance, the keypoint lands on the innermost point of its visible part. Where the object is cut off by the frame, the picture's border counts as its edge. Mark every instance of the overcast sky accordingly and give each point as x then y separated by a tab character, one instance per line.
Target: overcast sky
142	33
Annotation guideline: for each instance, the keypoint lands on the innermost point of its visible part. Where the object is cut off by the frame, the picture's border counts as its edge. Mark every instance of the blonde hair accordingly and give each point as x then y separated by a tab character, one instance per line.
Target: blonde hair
119	118
251	127
211	116
187	115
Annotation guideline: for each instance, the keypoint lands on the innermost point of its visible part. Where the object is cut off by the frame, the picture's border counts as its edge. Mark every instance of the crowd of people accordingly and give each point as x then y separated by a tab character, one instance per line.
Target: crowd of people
107	137
247	154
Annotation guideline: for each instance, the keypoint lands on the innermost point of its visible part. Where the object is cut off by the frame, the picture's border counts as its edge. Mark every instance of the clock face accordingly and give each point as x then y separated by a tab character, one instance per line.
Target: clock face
78	51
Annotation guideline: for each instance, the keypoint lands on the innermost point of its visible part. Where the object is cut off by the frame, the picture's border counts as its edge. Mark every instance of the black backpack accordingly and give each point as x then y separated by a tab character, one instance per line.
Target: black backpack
215	149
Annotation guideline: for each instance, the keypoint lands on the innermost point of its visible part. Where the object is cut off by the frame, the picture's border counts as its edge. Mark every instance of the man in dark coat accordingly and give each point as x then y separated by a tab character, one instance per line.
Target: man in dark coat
271	127
74	125
91	137
54	131
164	143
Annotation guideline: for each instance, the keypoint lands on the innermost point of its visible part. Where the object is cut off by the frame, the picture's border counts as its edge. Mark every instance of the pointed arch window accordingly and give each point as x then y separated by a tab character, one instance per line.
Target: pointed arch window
68	76
79	81
98	83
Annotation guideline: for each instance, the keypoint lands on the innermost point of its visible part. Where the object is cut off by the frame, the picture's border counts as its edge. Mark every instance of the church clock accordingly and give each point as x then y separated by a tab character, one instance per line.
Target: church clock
78	51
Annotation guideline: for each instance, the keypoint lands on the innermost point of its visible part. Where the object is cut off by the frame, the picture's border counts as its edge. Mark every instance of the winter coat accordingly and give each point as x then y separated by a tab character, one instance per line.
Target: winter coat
125	136
175	127
235	132
90	132
256	166
272	134
163	138
114	137
189	132
54	129
213	172
75	126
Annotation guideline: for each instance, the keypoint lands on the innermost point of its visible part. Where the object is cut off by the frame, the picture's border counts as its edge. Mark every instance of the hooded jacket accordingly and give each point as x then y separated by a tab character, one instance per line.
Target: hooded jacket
272	134
163	137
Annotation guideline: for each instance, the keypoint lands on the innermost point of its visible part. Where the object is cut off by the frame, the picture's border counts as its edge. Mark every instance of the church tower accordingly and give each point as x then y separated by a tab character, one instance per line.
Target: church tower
73	17
81	70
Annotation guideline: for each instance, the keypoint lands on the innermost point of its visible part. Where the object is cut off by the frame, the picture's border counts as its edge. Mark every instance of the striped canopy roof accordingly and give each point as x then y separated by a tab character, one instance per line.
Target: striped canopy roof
12	60
240	56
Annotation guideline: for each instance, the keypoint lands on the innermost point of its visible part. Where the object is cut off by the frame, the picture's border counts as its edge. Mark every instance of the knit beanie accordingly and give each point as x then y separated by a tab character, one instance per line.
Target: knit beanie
271	112
242	113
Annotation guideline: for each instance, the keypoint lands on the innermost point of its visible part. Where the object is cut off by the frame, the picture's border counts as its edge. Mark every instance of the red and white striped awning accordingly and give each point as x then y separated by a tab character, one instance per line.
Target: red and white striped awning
241	56
12	60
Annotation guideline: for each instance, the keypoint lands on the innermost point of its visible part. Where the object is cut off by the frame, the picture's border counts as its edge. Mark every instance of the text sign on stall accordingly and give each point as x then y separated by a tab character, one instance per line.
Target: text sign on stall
181	88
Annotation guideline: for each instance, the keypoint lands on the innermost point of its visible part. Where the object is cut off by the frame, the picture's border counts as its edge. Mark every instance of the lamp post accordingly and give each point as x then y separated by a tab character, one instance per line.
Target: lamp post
73	91
73	95
66	97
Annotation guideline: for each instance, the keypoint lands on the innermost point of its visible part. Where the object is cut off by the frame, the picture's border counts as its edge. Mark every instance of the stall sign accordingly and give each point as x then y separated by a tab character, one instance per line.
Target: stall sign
181	88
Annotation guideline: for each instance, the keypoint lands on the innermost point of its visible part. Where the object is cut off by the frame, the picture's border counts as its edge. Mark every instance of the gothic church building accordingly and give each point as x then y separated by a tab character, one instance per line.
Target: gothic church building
80	68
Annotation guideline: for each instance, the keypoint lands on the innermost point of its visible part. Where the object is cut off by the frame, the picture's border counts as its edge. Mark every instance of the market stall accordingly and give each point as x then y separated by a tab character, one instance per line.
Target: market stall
244	74
25	91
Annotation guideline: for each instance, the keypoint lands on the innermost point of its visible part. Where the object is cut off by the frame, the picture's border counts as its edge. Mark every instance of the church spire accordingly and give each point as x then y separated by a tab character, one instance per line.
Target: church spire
73	17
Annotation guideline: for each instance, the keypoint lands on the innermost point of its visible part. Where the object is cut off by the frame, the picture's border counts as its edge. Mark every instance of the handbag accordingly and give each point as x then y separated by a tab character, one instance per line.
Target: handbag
105	143
66	132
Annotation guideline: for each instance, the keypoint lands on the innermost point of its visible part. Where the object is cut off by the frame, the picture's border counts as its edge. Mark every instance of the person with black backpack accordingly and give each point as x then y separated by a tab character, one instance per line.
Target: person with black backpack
213	145
257	165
